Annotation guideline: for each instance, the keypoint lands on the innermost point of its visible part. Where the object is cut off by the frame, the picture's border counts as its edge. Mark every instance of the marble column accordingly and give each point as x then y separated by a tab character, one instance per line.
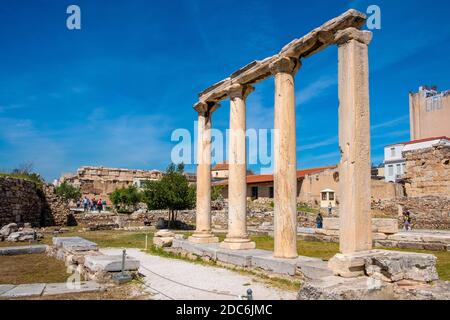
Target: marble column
203	232
354	143
285	174
237	237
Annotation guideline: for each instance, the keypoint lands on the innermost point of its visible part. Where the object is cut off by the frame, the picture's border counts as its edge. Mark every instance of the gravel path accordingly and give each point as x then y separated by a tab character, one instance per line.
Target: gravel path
181	280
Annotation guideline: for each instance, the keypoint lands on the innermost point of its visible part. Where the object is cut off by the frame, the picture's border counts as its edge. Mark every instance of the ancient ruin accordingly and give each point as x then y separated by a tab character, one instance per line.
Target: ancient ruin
354	137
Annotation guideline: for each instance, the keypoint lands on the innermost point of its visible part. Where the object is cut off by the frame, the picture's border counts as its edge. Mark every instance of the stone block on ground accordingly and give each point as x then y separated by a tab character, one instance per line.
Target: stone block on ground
110	263
24	290
383	225
8	229
12	251
75	244
331	223
162	242
394	266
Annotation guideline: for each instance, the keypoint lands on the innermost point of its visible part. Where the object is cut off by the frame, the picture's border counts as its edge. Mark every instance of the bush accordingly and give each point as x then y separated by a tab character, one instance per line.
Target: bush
125	199
68	192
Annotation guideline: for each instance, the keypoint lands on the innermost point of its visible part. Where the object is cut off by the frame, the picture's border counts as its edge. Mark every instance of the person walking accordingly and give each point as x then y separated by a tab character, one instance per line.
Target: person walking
407	221
330	209
319	221
85	203
99	205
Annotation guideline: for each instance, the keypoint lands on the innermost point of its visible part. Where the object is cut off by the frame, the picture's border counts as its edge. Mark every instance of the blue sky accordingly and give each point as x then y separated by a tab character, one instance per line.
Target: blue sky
112	93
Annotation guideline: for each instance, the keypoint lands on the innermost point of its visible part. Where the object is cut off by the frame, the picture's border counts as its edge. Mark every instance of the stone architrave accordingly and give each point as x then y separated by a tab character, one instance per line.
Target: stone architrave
285	175
237	237
203	232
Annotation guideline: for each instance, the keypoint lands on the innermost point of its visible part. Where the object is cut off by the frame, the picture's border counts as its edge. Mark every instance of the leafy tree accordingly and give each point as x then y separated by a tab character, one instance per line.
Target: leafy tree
68	192
172	192
216	193
125	199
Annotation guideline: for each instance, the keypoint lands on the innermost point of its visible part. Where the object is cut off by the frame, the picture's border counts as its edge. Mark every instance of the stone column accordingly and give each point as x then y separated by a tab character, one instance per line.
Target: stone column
203	232
285	184
354	141
237	237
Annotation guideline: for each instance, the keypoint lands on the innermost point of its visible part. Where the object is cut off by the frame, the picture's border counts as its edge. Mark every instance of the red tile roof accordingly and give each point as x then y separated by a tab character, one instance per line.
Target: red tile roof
419	141
264	178
221	167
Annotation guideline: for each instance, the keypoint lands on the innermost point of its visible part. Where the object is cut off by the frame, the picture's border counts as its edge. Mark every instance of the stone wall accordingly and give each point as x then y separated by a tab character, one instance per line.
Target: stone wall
426	212
428	172
19	202
100	182
22	201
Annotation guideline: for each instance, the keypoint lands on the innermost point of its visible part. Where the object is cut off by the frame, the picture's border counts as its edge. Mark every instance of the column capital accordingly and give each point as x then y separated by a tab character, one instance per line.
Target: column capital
238	90
204	108
346	35
285	65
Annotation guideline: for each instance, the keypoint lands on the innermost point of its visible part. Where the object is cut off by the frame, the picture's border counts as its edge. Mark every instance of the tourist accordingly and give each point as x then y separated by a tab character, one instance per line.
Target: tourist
407	221
330	209
99	205
104	205
93	204
319	221
85	203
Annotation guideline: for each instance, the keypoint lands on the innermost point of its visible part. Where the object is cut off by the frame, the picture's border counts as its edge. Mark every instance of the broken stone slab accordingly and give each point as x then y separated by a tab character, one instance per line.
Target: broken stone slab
12	251
24	290
5	288
24	235
162	242
75	244
241	258
386	226
407	237
69	288
110	263
313	268
350	265
394	266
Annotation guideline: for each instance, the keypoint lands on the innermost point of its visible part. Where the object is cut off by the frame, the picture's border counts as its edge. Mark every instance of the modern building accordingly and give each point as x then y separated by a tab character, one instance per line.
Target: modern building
394	160
429	113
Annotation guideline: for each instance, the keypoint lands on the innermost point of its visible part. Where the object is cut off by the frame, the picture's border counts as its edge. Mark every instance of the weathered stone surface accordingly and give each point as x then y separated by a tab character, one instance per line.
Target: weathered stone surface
162	242
74	244
337	288
110	263
393	266
5	288
8	229
275	265
24	235
12	251
387	226
24	290
350	265
63	288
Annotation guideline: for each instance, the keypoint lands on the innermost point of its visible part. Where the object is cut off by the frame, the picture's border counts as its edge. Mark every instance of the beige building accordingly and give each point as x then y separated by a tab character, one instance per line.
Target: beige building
100	182
429	113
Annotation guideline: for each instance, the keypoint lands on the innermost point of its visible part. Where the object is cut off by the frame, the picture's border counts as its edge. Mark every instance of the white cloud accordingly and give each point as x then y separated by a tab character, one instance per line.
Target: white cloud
316	89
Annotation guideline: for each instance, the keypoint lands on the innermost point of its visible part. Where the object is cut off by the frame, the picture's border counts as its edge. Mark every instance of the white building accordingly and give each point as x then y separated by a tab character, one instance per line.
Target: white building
395	164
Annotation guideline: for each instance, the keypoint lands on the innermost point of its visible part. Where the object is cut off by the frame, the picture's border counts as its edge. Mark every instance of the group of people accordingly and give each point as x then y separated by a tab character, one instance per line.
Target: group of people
319	218
92	204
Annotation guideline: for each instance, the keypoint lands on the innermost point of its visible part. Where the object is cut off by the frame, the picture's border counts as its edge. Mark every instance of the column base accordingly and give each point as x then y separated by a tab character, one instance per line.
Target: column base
203	238
238	244
350	265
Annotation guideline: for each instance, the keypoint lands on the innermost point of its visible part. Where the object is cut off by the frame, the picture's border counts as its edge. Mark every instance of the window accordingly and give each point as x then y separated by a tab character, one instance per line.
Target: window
255	192
324	196
331	196
271	193
399	169
390	170
404	168
392	152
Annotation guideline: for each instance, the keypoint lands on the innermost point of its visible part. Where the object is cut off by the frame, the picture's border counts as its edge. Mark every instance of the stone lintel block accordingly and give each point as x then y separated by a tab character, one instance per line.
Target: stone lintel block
387	226
441	238
12	251
405	236
331	223
234	258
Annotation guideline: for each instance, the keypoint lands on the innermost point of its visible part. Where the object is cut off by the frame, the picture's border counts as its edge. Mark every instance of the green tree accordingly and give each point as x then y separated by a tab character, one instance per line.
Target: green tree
68	192
172	192
216	193
125	199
